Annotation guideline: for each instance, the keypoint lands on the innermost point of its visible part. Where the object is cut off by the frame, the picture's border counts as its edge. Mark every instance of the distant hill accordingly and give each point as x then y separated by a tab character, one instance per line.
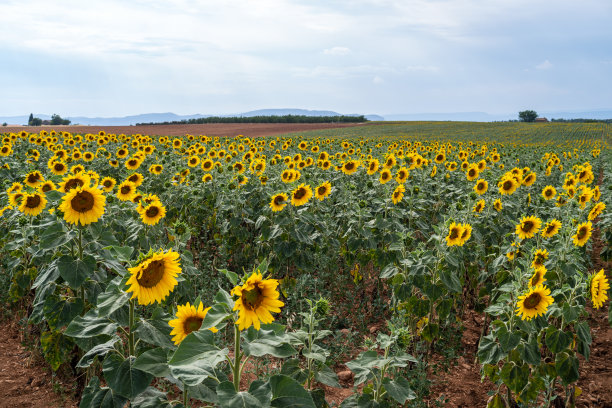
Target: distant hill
172	117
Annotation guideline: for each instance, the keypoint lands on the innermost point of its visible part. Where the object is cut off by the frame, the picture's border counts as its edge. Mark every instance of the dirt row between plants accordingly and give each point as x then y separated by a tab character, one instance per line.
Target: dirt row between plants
208	129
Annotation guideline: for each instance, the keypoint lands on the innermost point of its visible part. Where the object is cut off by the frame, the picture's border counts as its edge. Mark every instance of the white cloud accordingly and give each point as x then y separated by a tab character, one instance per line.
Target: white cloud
337	51
544	65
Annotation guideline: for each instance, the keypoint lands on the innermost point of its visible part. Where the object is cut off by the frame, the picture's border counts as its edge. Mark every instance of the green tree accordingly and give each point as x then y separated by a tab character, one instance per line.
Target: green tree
30	119
35	122
57	120
528	116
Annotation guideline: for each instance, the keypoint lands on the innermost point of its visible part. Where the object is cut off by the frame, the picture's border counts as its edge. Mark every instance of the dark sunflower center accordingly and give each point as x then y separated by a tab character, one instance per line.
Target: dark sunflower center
582	232
550	229
192	324
73	183
152	275
322	190
349	166
454	233
33	201
397	194
158	168
471	172
107	183
527	226
4	149
46	188
33	178
548	193
385	176
532	301
132	162
464	233
251	299
152	211
481	186
58	167
536	279
507	185
300	193
402	174
126	189
83	201
278	200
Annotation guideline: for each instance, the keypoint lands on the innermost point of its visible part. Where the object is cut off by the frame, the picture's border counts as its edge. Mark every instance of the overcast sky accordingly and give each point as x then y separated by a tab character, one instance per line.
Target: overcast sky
116	58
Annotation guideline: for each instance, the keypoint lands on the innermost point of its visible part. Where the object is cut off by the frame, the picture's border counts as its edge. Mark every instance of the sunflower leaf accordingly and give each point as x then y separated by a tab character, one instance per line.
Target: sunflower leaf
76	271
123	378
286	392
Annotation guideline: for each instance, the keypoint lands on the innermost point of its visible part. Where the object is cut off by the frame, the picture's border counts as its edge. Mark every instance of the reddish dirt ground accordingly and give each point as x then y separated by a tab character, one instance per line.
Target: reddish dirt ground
209	129
25	381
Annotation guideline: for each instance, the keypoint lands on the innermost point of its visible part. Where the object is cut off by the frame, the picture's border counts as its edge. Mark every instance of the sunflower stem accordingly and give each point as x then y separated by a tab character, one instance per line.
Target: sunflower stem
185	399
130	329
237	369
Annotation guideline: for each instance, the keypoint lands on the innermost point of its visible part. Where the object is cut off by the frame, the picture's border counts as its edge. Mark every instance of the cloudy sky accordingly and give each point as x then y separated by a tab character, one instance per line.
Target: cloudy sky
115	58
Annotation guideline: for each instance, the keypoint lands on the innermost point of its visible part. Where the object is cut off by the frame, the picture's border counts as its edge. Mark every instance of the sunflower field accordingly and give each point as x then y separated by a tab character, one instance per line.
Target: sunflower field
223	271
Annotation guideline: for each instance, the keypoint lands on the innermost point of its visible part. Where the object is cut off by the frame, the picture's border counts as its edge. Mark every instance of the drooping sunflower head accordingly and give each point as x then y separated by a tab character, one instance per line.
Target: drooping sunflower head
599	289
528	227
551	228
539	257
398	193
534	303
537	278
153	279
466	233
454	234
323	190
479	206
33	204
83	205
256	299
583	233
301	195
497	204
596	210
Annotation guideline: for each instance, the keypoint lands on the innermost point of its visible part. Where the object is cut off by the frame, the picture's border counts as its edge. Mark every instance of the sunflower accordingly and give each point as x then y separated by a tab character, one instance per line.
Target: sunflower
126	191
529	179
534	303
390	161
154	278
34	179
596	210
599	289
401	175
83	205
77	169
288	176
323	190
301	195
385	176
373	166
549	193
551	228
540	256
583	233
440	158
497	204
472	172
528	227
108	183
537	278
33	204
59	168
193	161
71	182
15	198
156	169
398	193
465	234
481	186
47	186
256	299
278	202
585	197
350	167
454	234
153	213
507	185
479	206
6	150
133	163
206	178
434	170
15	187
136	178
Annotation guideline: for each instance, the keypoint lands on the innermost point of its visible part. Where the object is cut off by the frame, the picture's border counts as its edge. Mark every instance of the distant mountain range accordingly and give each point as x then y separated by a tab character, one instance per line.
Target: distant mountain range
170	117
450	116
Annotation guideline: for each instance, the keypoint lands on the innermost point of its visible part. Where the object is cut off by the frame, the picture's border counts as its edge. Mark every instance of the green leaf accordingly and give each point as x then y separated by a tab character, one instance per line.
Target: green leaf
151	398
215	316
54	236
231	276
98	350
288	393
530	352
196	357
90	325
60	312
120	253
47	275
567	368
154	361
155	332
76	271
269	339
123	378
56	348
430	331
489	351
583	331
111	300
389	271
557	340
515	377
229	398
399	389
96	397
507	340
327	376
570	313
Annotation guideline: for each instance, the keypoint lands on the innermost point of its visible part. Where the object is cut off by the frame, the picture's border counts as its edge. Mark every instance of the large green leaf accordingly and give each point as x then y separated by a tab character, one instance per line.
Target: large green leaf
156	332
154	361
97	350
399	389
507	340
270	339
489	351
90	325
229	398
60	312
123	378
567	367
450	280
54	236
327	376
96	397
196	357
515	377
76	271
287	393
111	300
557	340
530	352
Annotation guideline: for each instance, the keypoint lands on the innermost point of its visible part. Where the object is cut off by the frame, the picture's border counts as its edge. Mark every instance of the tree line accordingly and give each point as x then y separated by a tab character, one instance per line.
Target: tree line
265	119
55	120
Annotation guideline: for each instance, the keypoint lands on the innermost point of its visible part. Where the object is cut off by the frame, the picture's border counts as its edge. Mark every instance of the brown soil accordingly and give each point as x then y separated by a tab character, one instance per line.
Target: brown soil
25	380
210	129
